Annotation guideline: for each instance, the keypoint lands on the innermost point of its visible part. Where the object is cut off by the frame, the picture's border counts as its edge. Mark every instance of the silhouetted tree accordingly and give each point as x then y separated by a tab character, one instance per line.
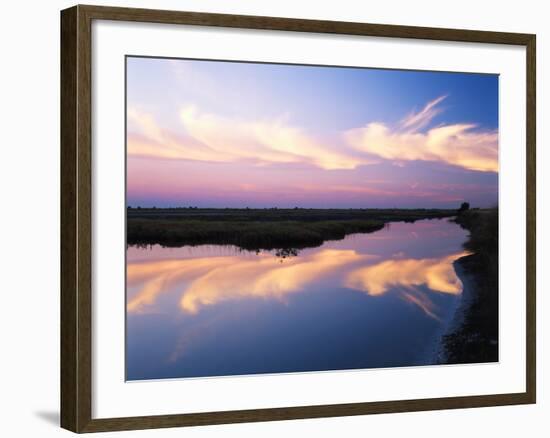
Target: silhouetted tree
464	206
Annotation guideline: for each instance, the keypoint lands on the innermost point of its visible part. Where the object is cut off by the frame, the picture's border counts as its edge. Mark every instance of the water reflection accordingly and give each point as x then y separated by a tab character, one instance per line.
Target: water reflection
364	283
207	281
407	276
437	274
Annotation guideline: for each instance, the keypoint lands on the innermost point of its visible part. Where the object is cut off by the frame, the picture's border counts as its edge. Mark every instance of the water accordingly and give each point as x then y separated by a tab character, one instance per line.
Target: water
368	301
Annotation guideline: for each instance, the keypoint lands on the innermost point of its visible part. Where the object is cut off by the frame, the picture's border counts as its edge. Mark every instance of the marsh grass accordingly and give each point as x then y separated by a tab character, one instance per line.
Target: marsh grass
260	228
246	235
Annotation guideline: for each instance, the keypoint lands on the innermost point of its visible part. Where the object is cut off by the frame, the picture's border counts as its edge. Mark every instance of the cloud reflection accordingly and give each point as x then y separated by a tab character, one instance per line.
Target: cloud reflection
407	275
421	300
207	281
436	273
157	277
211	280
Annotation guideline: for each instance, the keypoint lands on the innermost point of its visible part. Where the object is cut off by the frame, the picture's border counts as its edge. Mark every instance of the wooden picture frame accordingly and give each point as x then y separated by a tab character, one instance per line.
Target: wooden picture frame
76	218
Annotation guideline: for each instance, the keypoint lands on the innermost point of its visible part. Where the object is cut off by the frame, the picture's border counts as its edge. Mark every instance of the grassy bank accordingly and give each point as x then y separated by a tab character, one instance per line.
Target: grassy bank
261	228
476	338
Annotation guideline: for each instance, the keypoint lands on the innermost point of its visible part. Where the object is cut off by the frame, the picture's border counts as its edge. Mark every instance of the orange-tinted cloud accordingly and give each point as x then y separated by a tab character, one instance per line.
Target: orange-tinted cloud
456	144
214	138
147	138
209	137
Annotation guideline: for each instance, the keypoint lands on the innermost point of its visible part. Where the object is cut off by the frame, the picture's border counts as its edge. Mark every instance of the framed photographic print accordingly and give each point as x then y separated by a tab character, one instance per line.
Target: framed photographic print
270	218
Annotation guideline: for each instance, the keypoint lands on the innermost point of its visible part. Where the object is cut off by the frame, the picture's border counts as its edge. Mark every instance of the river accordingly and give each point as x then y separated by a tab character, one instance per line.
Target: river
373	300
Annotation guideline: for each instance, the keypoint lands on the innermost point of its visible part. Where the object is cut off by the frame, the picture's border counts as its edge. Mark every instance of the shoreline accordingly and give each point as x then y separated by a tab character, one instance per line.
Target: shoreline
462	307
472	334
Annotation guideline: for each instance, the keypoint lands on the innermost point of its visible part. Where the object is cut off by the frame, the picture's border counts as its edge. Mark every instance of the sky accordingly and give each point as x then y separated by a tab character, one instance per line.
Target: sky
235	134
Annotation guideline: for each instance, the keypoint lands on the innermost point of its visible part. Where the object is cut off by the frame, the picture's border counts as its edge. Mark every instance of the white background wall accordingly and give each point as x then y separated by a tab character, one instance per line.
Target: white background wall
29	217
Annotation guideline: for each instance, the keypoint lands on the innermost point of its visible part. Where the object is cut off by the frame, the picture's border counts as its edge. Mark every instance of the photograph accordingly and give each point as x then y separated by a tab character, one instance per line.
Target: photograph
288	218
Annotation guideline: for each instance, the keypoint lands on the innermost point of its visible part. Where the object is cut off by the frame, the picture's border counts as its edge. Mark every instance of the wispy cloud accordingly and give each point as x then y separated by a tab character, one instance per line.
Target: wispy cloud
214	138
210	137
416	121
266	141
147	138
459	144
